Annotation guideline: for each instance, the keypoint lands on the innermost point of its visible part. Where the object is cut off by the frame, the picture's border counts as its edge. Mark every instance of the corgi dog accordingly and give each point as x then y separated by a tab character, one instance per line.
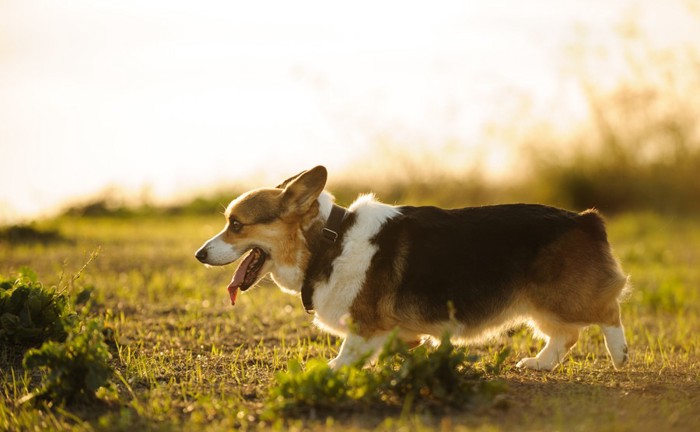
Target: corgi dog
374	269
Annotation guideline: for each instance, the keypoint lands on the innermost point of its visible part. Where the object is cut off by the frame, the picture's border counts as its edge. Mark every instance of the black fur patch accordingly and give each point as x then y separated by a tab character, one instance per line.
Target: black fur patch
471	257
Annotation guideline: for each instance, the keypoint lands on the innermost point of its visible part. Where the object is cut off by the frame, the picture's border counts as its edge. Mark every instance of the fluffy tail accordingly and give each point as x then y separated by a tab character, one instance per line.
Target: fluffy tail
626	291
593	223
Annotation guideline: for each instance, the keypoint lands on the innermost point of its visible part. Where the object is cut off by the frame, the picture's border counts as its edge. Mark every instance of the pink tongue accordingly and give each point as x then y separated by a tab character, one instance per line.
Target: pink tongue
238	277
233	293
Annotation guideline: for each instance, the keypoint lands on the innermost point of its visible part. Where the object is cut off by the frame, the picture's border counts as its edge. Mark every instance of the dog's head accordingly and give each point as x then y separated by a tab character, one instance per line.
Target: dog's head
270	225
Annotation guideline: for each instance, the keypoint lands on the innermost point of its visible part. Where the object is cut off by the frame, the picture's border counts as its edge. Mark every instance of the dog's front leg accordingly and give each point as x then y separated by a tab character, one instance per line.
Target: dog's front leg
355	347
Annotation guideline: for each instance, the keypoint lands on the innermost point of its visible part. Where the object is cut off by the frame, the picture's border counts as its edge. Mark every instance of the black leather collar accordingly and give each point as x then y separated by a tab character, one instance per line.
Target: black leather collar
329	236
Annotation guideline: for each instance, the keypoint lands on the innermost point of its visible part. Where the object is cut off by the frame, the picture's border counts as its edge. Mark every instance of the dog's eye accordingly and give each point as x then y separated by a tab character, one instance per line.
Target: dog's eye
235	225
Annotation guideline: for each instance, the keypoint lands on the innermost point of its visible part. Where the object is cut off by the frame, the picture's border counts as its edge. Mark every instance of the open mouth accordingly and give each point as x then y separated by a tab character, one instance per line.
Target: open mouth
247	272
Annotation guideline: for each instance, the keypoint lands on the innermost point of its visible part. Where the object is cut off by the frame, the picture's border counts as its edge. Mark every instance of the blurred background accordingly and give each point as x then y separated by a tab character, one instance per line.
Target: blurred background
154	103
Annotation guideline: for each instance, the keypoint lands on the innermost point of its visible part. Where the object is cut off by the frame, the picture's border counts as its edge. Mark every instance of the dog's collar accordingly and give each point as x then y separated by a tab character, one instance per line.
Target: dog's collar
335	220
329	235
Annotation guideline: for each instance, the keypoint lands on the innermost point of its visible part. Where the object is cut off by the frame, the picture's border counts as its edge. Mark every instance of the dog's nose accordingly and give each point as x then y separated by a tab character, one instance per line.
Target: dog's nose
201	254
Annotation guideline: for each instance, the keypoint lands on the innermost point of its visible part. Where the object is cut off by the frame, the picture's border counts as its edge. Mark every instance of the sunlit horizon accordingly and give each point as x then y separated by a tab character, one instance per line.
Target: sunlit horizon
176	97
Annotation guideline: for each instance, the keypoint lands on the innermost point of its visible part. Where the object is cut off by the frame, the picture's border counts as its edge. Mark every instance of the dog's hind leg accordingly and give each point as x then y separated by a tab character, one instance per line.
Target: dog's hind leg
560	339
615	341
355	348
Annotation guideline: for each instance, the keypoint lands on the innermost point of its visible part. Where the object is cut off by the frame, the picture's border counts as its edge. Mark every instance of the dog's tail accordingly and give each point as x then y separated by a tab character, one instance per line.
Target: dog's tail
626	291
591	222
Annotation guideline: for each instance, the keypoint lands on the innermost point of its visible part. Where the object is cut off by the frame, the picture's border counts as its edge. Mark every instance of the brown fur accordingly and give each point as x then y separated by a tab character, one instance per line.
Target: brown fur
269	215
575	279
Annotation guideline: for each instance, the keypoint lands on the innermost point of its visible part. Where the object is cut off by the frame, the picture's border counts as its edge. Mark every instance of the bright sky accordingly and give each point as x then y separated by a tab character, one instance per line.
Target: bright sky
183	95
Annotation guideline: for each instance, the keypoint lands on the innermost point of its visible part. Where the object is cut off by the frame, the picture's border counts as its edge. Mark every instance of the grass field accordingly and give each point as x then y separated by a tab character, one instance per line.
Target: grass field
187	360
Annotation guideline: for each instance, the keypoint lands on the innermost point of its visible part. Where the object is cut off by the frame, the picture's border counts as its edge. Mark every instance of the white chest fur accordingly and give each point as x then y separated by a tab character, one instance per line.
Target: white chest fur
334	297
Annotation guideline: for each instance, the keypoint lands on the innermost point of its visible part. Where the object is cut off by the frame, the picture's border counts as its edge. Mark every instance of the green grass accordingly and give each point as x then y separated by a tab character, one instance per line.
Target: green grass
186	359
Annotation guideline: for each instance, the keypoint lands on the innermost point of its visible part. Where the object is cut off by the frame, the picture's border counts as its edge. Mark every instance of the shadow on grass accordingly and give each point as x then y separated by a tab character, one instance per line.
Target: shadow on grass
31	234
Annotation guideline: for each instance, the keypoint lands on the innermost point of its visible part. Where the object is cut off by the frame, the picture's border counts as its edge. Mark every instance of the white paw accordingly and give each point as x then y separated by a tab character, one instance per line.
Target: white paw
535	363
616	344
333	364
338	362
620	358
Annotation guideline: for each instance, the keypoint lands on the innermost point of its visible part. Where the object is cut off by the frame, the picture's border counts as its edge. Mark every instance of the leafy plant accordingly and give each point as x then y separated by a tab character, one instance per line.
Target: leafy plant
402	378
31	313
496	365
74	353
75	369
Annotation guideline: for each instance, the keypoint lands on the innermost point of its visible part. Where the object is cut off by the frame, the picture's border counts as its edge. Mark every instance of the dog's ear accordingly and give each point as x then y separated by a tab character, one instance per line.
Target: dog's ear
289	180
303	189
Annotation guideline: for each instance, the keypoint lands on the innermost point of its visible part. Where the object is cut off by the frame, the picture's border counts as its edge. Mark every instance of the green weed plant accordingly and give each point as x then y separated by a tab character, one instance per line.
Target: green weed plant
410	379
68	348
75	369
30	313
